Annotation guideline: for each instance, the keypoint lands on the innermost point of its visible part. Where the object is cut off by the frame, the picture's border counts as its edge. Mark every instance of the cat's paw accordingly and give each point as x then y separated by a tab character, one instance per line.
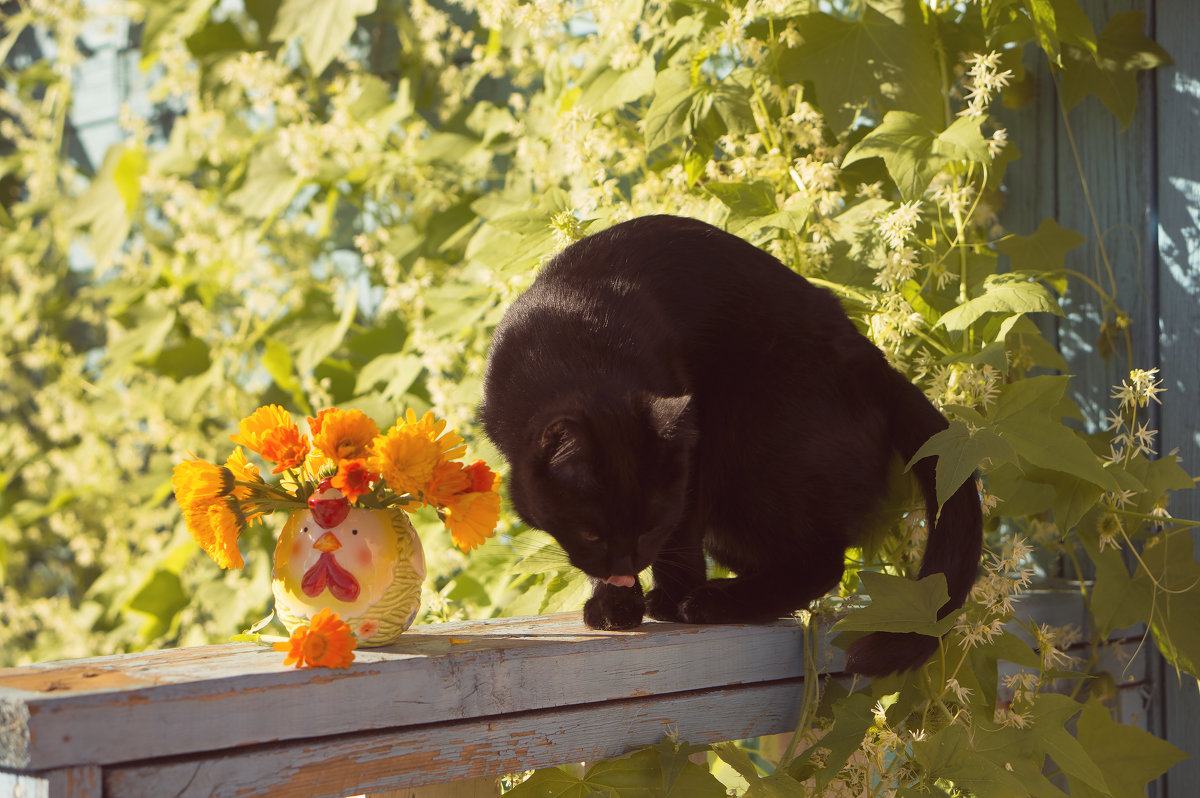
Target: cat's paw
614	608
662	607
707	604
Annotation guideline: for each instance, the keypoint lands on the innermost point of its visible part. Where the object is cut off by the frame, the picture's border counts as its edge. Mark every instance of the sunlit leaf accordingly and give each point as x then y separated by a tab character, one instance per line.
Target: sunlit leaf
1044	251
1003	293
914	152
322	25
900	605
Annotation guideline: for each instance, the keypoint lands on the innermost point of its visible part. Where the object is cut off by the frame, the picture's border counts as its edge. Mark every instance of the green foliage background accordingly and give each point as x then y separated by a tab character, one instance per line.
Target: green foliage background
350	194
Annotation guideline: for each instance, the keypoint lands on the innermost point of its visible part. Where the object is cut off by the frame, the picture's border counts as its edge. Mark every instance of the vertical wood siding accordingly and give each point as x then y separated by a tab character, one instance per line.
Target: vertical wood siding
1177	183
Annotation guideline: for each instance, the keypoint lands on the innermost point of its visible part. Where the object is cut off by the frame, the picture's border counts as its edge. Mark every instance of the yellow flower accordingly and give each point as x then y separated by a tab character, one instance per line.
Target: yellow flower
198	481
471	518
326	642
271	432
343	434
216	527
408	453
243	471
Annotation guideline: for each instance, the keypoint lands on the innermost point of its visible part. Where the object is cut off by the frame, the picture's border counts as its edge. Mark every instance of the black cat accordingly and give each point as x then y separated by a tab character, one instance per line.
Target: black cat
665	388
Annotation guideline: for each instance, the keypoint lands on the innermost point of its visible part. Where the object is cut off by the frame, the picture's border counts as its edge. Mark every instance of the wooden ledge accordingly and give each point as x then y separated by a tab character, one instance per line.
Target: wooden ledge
199	702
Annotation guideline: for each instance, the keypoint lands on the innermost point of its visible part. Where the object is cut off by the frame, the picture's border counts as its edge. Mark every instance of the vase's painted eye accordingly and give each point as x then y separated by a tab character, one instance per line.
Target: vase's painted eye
304	530
589	537
353	531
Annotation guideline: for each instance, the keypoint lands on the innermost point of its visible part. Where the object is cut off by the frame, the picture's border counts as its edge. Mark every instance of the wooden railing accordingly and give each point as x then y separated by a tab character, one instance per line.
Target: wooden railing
452	704
448	702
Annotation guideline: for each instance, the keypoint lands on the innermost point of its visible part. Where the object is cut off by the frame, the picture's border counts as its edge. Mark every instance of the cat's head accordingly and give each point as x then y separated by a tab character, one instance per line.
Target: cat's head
608	479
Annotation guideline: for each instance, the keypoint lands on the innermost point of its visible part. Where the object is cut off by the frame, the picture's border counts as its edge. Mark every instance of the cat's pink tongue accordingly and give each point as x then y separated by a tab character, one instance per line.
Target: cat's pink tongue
619	581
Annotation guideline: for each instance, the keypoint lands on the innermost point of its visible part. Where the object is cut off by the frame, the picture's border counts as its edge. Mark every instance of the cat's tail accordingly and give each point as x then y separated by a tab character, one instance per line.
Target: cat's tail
954	543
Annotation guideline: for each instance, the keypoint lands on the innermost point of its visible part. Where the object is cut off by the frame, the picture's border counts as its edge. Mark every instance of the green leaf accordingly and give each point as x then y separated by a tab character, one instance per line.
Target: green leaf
949	755
1110	72
1028	414
550	783
1129	757
566	590
1171	558
106	208
269	185
737	758
853	715
1013	292
960	450
914	153
1050	715
1118	600
888	58
777	785
900	605
682	778
395	371
669	109
612	88
322	25
1044	251
745	199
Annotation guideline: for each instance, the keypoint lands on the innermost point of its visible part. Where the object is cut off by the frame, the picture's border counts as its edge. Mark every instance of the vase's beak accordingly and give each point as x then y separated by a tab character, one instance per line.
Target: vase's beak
327	543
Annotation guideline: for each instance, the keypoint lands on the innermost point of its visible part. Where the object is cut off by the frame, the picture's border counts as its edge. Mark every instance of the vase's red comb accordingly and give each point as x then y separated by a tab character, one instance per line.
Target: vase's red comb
328	506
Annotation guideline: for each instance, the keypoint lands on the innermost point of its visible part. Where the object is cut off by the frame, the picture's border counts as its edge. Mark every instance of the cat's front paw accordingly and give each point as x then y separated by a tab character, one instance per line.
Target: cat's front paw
707	604
662	607
614	608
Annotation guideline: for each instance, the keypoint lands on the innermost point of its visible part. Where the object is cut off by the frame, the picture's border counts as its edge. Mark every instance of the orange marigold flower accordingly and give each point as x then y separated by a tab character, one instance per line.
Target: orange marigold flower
216	526
471	518
448	479
200	482
271	432
286	448
255	427
409	452
353	479
326	642
343	434
482	477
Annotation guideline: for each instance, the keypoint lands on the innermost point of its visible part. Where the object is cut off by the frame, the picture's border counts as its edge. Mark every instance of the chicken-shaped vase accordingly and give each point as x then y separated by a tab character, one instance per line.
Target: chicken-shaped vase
366	565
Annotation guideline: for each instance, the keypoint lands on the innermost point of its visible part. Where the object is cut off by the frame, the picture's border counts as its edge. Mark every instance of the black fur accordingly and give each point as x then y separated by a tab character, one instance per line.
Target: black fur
665	388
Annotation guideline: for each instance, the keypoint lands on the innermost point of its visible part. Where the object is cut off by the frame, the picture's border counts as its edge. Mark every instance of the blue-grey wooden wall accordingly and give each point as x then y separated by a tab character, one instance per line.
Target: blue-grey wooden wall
1174	119
1144	185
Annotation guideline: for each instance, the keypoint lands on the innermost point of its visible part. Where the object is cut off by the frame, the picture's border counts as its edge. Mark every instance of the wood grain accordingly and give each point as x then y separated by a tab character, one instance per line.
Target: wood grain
215	697
1178	186
466	749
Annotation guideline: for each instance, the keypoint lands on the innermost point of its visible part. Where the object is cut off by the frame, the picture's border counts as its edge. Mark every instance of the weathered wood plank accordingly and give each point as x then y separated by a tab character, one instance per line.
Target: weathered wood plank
1178	184
474	788
468	749
75	782
60	714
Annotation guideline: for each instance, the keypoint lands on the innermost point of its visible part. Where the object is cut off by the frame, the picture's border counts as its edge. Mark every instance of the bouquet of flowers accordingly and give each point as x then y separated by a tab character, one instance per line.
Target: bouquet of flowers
347	546
416	462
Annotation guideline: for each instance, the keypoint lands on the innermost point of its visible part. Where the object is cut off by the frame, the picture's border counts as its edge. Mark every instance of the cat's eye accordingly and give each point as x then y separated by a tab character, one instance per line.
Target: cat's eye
589	537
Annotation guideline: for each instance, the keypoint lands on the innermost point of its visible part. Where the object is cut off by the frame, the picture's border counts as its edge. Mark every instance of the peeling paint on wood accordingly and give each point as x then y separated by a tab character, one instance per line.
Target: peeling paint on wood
52	715
468	749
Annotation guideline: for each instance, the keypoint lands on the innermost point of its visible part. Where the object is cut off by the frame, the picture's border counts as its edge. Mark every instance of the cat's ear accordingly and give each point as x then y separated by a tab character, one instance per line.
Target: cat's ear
672	417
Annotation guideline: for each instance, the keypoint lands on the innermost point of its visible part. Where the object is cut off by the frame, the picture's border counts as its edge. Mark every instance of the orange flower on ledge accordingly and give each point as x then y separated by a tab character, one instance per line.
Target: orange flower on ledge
326	642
